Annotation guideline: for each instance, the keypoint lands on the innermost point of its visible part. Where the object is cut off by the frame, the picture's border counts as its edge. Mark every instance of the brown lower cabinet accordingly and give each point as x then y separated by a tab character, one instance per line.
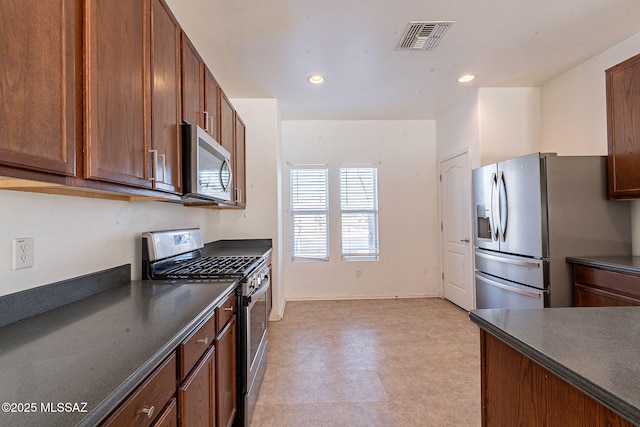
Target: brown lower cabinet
143	406
169	416
604	287
226	382
196	395
516	391
196	385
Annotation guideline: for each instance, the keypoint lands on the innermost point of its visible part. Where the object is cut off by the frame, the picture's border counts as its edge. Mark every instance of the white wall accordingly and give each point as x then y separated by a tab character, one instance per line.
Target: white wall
261	218
574	120
405	153
509	122
495	123
459	129
74	236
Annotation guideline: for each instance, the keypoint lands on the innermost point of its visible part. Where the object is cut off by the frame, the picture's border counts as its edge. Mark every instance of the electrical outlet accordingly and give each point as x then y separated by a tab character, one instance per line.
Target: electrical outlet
22	253
358	273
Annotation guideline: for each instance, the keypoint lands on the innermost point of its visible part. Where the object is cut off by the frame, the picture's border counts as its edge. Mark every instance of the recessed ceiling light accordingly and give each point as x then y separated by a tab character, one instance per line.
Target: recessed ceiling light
466	78
315	79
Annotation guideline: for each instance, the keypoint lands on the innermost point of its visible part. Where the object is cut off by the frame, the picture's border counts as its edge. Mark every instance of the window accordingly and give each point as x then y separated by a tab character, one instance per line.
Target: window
310	212
359	212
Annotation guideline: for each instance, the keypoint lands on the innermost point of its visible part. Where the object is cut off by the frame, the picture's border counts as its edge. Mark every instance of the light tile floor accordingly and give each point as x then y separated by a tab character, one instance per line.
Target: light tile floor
400	362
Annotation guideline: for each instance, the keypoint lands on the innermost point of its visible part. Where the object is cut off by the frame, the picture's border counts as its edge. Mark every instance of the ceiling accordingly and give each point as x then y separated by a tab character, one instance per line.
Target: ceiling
268	48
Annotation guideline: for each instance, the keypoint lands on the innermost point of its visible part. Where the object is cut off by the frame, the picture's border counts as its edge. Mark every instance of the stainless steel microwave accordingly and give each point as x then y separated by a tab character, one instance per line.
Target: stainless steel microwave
206	167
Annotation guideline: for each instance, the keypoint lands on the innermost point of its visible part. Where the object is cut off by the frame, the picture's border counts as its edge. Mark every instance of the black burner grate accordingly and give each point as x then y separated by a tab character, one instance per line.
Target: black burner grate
212	267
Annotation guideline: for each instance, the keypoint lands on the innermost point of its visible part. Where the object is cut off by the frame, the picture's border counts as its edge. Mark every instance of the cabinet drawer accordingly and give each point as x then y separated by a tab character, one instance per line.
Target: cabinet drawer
192	348
613	281
225	310
146	402
587	296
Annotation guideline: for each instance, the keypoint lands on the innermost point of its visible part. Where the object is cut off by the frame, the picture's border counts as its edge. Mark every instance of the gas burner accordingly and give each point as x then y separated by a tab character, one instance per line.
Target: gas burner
212	267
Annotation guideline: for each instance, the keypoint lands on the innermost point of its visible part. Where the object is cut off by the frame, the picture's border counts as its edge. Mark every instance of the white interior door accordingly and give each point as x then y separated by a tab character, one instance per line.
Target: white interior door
457	241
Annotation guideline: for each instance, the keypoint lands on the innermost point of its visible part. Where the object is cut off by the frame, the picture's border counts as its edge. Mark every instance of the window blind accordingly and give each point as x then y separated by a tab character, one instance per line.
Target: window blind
310	212
359	213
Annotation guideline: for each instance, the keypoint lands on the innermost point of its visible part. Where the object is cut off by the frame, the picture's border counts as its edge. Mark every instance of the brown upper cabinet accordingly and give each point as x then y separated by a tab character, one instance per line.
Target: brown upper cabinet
199	91
166	102
40	69
232	138
132	94
93	96
117	124
211	104
623	126
226	124
192	83
240	162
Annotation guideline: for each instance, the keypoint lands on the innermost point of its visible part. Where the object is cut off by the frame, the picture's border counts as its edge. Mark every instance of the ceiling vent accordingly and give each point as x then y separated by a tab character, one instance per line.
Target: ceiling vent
423	35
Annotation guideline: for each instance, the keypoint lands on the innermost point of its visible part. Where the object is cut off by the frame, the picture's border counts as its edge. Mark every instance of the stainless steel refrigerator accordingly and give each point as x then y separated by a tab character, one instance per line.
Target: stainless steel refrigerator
532	212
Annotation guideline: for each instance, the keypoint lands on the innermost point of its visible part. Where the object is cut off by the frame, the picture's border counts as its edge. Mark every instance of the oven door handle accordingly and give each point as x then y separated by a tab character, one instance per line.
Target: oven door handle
261	290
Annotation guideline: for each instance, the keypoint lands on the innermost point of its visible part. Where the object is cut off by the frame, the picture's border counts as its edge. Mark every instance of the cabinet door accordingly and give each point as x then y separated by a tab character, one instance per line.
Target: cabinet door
117	109
169	416
211	105
227	136
623	126
166	111
226	123
240	163
226	382
196	395
192	83
40	115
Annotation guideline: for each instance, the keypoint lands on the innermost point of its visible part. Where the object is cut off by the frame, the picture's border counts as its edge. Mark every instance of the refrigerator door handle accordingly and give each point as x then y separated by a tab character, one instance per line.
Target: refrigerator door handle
493	222
519	263
509	288
504	207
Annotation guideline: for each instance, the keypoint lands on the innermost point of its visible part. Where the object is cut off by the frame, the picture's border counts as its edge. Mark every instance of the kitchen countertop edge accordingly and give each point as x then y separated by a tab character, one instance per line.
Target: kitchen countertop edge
630	264
619	406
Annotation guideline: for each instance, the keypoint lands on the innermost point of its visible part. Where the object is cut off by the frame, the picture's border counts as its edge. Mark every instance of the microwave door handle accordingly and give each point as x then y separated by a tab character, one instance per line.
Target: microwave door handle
225	186
504	207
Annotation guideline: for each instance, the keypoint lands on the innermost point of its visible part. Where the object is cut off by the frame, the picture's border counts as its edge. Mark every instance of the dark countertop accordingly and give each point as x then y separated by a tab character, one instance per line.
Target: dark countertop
629	264
253	247
98	349
597	350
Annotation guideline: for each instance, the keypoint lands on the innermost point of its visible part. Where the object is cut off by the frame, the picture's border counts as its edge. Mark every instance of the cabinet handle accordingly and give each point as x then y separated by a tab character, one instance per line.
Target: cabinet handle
228	309
211	124
154	165
148	411
204	341
206	122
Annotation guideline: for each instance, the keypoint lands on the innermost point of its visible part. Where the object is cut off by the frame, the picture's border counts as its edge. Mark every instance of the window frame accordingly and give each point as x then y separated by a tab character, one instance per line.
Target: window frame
373	211
298	256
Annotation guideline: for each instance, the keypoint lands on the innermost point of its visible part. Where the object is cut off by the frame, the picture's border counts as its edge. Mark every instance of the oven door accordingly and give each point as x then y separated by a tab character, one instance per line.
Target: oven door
256	345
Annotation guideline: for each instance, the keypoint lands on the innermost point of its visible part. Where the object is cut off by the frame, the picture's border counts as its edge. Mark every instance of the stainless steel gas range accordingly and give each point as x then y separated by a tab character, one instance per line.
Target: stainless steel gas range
181	255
